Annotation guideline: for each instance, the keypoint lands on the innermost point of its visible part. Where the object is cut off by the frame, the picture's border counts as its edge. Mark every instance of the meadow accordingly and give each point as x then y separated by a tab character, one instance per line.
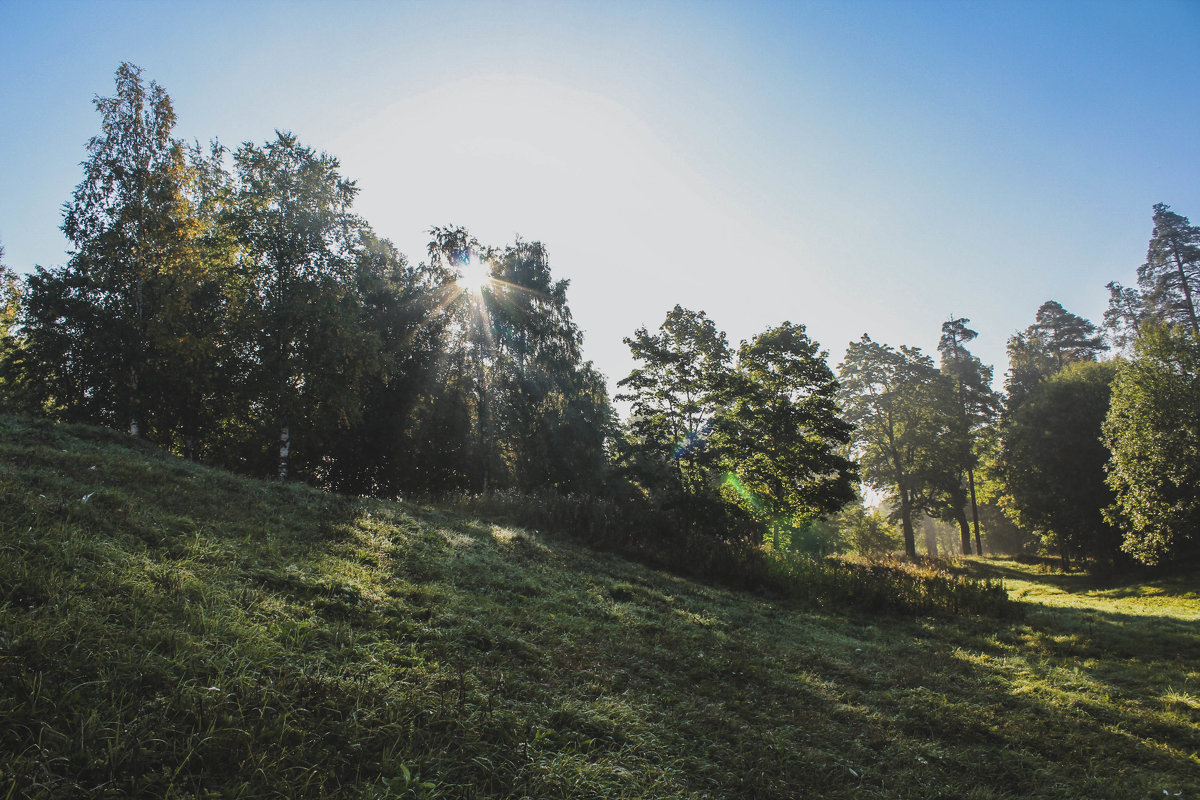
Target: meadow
172	630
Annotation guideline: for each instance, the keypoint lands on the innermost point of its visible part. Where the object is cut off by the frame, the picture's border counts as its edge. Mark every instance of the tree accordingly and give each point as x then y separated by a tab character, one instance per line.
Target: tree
1125	315
1055	339
778	436
908	431
291	213
1168	282
552	412
674	394
868	531
199	342
100	333
1153	430
1052	462
10	307
1170	278
540	414
399	441
977	405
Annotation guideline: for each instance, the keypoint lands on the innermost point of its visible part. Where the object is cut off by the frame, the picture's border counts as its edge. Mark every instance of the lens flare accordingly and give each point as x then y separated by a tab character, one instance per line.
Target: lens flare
473	277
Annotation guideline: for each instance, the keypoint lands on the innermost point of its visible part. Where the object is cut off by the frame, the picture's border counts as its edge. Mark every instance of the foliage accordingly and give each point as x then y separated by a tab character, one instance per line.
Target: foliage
291	215
1053	462
10	306
527	410
778	437
1056	339
397	442
1168	290
1153	431
755	446
868	531
101	337
978	405
552	419
1170	278
674	394
909	428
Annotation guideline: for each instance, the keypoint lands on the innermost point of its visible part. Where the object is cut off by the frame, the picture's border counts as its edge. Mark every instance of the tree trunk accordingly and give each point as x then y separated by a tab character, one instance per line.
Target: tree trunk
485	440
135	424
964	530
910	538
974	510
285	449
1187	290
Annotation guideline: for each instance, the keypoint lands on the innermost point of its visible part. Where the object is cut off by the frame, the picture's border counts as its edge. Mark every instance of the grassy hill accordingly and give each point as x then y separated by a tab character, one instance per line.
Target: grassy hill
168	630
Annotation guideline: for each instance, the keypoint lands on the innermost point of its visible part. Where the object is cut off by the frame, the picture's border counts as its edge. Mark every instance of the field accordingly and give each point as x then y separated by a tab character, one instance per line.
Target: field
169	630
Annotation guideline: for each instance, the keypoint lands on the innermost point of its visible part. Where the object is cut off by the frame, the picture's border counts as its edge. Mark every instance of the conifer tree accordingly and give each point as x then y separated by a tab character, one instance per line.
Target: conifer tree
977	403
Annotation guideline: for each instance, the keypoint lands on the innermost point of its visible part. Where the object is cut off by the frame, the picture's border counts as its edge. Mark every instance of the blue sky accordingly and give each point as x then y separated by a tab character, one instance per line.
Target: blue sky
852	166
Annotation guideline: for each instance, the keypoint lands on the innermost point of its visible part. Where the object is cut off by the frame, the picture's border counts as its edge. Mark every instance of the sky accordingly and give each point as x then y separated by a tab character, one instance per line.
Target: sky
855	167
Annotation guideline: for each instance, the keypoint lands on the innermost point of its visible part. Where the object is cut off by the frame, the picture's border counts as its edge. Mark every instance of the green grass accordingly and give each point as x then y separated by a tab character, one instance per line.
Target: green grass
187	633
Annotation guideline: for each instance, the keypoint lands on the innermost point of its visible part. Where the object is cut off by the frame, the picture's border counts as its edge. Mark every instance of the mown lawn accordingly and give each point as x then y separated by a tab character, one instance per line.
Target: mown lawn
168	630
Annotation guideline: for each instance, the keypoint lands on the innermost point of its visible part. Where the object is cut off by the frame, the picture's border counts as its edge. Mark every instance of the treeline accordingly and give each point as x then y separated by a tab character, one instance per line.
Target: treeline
1093	447
232	307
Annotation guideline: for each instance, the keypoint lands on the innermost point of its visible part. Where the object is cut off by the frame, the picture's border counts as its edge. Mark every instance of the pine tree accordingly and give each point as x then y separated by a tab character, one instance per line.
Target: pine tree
977	404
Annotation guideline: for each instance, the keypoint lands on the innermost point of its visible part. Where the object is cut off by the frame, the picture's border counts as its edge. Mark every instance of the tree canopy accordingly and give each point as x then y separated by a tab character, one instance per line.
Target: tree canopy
1054	462
909	433
1153	431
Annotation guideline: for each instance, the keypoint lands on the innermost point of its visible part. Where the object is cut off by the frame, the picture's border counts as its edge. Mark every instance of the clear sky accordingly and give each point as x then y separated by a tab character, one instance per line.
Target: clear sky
853	166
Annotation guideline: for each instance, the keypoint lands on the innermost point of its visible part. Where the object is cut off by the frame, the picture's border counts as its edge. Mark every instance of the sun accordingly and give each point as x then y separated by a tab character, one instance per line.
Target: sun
473	277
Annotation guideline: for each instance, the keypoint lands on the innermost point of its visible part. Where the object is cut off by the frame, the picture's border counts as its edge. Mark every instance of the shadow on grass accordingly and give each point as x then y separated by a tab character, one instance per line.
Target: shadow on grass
341	646
776	698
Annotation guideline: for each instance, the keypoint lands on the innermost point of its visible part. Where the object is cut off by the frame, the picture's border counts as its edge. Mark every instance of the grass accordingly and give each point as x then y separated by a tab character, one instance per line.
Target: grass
182	632
655	538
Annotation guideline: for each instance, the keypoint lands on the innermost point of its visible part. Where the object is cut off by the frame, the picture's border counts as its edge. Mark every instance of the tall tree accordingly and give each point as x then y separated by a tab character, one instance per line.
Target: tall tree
99	332
908	428
977	404
542	418
388	448
1055	339
1170	278
552	413
1168	282
1153	431
292	215
1125	315
10	306
1052	462
779	435
675	392
200	342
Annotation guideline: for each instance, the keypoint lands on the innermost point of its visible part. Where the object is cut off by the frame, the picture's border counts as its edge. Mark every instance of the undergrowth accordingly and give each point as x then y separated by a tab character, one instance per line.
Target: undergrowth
172	631
888	585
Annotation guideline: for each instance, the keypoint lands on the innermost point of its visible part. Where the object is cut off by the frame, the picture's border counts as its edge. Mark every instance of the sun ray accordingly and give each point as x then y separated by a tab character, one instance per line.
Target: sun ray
474	276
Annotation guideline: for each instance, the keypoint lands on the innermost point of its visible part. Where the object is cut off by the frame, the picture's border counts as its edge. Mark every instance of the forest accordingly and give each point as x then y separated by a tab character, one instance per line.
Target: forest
230	306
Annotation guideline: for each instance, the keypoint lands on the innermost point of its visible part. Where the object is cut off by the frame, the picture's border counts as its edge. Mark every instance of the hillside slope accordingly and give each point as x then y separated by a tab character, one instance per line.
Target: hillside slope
169	630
